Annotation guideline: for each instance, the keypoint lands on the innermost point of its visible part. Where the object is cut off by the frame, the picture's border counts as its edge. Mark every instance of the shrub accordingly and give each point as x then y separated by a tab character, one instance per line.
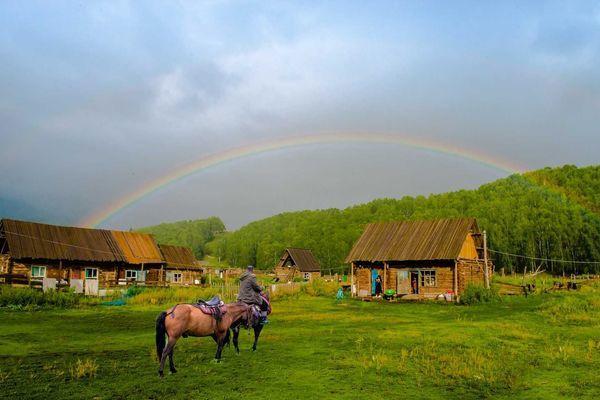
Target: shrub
83	369
134	290
474	294
28	298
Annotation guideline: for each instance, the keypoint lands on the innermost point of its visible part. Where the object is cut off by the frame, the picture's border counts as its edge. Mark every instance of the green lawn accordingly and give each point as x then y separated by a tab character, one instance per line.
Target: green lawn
545	346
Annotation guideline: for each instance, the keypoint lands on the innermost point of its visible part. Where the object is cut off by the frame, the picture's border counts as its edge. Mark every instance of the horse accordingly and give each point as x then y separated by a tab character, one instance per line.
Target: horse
249	321
188	320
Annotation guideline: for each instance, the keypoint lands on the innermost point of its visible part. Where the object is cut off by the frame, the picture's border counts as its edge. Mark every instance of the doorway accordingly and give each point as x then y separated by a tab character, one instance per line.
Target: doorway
414	282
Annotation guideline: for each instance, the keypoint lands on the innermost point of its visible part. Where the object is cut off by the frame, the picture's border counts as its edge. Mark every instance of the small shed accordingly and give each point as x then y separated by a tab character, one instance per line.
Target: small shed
419	258
182	268
297	263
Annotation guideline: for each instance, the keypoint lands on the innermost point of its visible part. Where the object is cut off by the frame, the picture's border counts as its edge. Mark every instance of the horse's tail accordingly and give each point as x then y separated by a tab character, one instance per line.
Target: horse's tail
161	330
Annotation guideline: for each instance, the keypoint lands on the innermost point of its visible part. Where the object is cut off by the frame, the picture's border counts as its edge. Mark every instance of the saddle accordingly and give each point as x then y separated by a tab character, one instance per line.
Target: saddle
214	307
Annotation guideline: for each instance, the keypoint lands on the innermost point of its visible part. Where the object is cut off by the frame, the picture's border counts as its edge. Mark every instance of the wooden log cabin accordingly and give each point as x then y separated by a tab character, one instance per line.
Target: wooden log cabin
50	256
419	259
91	261
181	266
297	263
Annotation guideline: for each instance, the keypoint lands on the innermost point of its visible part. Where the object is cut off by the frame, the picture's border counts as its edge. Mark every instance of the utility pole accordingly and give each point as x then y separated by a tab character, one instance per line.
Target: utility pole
486	276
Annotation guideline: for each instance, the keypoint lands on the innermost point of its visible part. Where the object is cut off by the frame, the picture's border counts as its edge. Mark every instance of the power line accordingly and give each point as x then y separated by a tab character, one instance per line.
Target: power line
543	259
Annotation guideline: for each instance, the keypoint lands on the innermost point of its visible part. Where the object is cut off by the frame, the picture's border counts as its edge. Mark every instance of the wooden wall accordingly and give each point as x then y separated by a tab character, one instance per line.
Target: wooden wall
469	249
4	263
470	272
188	277
286	274
362	279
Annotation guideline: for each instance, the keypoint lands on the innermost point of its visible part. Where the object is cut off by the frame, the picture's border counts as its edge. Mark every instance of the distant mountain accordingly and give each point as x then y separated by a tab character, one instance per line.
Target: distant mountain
193	233
550	213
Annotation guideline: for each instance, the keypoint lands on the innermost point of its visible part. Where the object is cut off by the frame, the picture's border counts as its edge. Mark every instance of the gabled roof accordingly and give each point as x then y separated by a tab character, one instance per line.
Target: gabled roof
138	248
302	258
32	240
440	239
178	256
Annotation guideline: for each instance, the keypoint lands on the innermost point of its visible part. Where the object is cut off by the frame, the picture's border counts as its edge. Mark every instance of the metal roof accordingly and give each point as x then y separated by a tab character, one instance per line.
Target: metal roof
440	239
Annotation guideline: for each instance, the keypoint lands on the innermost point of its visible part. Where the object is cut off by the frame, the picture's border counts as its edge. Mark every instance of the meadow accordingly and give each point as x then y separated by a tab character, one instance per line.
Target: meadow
543	346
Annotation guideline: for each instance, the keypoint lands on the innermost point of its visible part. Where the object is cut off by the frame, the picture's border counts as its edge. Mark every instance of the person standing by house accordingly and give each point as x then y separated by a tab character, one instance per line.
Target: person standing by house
250	292
378	288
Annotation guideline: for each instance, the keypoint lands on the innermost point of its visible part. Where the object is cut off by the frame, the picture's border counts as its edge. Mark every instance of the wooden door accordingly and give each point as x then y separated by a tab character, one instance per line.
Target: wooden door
402	282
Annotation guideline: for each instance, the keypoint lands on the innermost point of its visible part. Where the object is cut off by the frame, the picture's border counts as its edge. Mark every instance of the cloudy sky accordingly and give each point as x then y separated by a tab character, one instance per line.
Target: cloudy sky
100	99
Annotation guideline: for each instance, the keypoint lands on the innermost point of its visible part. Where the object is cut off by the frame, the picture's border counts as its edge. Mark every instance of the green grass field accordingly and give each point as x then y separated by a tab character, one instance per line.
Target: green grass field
545	346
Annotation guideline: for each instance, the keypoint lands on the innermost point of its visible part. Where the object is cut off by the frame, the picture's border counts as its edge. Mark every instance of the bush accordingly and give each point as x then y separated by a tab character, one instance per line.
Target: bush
474	294
83	369
134	290
27	298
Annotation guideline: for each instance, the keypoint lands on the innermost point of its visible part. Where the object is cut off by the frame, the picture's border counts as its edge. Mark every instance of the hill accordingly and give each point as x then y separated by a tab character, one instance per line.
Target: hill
581	185
193	233
538	214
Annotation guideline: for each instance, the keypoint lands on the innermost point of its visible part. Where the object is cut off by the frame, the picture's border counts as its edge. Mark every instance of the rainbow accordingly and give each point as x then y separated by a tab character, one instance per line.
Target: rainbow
213	160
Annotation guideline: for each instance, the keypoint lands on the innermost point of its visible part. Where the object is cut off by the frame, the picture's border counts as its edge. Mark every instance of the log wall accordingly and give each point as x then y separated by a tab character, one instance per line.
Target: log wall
471	272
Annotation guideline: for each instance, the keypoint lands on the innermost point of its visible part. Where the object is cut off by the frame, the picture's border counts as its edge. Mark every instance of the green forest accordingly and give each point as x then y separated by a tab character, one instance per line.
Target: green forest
193	234
552	213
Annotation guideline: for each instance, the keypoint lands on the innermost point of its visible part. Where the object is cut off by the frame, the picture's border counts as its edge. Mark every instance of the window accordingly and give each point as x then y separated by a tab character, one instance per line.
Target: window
131	274
91	273
307	276
177	277
38	272
428	278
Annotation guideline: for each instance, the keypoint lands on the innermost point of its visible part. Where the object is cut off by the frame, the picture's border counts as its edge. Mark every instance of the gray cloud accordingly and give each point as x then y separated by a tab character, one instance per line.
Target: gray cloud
103	100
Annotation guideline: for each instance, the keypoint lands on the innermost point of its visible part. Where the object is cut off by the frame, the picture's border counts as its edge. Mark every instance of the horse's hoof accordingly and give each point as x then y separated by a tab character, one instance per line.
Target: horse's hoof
173	371
160	374
216	361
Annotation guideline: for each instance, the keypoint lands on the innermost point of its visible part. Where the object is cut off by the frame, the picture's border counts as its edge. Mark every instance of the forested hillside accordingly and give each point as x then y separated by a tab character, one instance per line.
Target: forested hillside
194	234
540	214
579	184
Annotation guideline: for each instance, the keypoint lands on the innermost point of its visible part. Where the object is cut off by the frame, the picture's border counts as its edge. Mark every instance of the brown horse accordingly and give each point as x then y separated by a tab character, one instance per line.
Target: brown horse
187	320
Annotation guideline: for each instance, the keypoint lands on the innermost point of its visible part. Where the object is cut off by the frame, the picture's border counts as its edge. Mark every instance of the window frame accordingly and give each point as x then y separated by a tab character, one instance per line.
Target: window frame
307	276
95	275
127	273
177	277
39	267
428	278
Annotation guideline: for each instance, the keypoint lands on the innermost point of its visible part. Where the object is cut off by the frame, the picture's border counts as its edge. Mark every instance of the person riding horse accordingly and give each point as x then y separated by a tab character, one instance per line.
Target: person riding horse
250	292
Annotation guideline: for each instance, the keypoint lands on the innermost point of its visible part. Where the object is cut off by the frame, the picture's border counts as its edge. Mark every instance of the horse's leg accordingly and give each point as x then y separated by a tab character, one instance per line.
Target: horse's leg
220	339
171	363
236	334
168	349
257	330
